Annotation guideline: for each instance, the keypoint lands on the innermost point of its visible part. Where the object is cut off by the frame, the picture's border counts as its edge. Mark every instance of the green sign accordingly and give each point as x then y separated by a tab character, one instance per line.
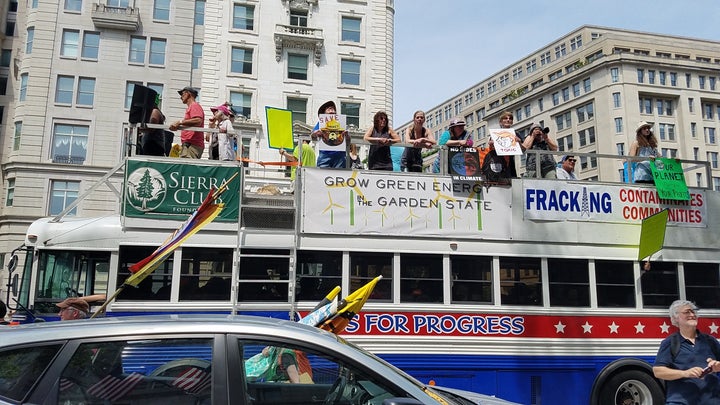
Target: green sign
652	234
174	190
669	179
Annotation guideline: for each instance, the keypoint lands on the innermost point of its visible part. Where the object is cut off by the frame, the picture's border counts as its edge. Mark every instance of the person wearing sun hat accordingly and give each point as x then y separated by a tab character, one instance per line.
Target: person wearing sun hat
455	135
222	143
193	142
645	145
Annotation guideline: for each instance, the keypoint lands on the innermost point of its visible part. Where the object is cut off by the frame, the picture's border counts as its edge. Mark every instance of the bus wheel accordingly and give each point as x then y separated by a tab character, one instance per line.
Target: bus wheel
632	387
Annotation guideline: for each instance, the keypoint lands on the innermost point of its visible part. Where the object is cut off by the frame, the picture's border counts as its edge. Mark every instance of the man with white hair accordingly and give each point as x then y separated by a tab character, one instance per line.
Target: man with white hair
687	359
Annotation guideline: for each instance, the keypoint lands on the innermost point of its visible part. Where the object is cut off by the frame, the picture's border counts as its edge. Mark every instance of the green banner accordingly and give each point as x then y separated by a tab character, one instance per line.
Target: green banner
669	179
173	190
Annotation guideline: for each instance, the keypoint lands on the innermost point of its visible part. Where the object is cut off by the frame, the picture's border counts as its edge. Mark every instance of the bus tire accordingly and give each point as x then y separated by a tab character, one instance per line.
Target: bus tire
635	384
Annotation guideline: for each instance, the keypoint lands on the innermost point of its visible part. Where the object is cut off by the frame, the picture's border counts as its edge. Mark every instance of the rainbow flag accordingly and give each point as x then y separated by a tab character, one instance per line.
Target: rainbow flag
206	212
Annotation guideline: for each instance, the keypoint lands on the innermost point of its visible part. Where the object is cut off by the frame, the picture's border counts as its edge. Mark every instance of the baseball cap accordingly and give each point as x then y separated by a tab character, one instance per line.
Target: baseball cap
189	89
77	303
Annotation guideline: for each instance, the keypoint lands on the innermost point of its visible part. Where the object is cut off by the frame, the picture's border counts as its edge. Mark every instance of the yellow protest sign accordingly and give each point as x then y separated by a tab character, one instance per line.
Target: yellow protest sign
279	128
652	234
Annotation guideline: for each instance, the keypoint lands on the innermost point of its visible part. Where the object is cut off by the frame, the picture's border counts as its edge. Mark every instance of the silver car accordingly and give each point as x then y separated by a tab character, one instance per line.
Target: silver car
200	360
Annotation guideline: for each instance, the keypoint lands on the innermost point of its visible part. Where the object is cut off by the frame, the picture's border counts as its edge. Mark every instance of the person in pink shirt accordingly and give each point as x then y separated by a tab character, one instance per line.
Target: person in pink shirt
193	142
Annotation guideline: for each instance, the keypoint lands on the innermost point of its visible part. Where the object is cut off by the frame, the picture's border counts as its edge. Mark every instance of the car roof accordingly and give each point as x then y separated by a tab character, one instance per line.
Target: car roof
159	324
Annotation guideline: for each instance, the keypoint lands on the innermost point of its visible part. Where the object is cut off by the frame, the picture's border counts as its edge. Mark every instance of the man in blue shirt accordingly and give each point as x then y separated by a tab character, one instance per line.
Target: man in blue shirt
687	360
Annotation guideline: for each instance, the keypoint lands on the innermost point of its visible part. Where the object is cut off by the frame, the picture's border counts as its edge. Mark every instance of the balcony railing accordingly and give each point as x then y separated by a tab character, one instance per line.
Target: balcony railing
123	18
296	37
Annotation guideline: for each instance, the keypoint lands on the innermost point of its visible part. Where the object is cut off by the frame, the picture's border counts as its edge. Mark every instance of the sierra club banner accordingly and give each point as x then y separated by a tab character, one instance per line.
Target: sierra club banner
355	202
159	190
585	201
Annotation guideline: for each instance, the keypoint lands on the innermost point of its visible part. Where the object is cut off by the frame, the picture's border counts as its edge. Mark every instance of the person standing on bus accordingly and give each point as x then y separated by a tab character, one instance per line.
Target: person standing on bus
380	137
193	142
687	359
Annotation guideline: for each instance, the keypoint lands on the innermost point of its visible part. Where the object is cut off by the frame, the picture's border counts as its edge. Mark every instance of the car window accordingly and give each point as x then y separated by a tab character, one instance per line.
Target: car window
177	370
291	375
21	368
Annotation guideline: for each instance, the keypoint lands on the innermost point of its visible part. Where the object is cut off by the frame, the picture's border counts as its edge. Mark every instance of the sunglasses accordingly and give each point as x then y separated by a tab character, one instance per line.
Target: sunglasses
572	160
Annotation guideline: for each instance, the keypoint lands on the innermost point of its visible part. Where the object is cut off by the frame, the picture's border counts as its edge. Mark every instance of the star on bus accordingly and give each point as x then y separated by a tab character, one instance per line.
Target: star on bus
664	328
639	328
559	327
613	327
714	328
587	328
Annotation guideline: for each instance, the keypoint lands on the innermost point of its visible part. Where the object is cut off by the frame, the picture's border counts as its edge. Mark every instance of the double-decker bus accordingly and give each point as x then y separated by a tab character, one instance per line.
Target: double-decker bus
532	292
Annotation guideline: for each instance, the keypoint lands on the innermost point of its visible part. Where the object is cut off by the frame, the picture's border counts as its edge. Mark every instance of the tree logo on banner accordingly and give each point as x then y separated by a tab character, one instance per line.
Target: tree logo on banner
146	189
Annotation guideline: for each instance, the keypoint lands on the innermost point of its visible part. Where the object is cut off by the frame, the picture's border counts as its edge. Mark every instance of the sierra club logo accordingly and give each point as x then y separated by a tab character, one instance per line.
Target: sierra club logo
146	189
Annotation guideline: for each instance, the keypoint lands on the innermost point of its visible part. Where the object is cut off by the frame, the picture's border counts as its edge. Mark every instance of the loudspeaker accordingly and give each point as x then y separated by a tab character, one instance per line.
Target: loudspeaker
141	106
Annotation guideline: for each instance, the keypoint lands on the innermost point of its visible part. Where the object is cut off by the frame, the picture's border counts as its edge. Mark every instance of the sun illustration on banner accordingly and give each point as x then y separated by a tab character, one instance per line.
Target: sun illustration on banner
146	189
330	206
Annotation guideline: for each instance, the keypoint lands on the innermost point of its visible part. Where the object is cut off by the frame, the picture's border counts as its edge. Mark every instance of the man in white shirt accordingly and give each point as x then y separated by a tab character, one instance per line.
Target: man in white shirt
566	171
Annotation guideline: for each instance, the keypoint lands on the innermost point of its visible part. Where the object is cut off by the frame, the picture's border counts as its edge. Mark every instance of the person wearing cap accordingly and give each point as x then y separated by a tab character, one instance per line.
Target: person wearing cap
193	142
222	144
73	308
455	135
645	145
566	170
330	155
307	155
538	139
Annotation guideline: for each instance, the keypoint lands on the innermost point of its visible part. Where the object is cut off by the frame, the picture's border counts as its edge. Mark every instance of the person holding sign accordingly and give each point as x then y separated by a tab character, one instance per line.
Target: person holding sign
645	145
380	137
334	139
456	135
538	139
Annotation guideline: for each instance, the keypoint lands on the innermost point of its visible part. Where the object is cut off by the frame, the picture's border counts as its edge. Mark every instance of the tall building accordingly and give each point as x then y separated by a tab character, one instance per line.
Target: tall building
593	86
69	68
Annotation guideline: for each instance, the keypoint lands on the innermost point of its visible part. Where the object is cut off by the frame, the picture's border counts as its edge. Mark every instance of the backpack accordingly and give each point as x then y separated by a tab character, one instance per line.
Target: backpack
675	341
493	167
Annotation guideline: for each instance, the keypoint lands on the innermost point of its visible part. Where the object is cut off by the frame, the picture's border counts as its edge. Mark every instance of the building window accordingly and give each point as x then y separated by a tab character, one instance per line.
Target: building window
576	43
10	197
73	5
565	143
504	79
70	143
560	51
540	104
556	98
492	86
86	91
118	3
669	153
645	105
588	163
527	110
716	183
693	131
531	66
641	75
585	112
587	85
298	106
298	18
129	89
707	111
620	148
480	93
161	10
197	55
712	157
199	12
350	29
351	112
545	58
298	67
3	88
576	89
91	45
617	102
712	83
65	89
673	79
661	76
62	194
458	107
241	60
350	72
468	98
243	17
480	114
6	57
157	51
17	135
137	50
566	94
615	75
587	136
691	104
10	28
241	103
618	125
710	135
563	121
555	76
29	40
651	76
667	132
517	73
664	107
23	86
701	82
70	43
688	80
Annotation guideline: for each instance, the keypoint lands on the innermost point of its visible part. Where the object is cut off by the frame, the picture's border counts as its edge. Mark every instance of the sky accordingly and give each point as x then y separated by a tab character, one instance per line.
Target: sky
444	47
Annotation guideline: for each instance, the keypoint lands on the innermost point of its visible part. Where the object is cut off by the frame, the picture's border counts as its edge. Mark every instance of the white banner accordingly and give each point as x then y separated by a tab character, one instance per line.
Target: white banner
354	202
585	201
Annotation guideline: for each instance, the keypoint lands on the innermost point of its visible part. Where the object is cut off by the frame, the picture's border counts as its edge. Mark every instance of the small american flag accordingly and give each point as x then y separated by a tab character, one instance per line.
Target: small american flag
193	380
112	388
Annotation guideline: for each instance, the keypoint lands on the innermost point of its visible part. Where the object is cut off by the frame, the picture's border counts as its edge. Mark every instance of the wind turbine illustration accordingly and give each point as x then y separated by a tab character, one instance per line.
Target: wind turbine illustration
454	217
410	217
438	196
383	215
330	206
